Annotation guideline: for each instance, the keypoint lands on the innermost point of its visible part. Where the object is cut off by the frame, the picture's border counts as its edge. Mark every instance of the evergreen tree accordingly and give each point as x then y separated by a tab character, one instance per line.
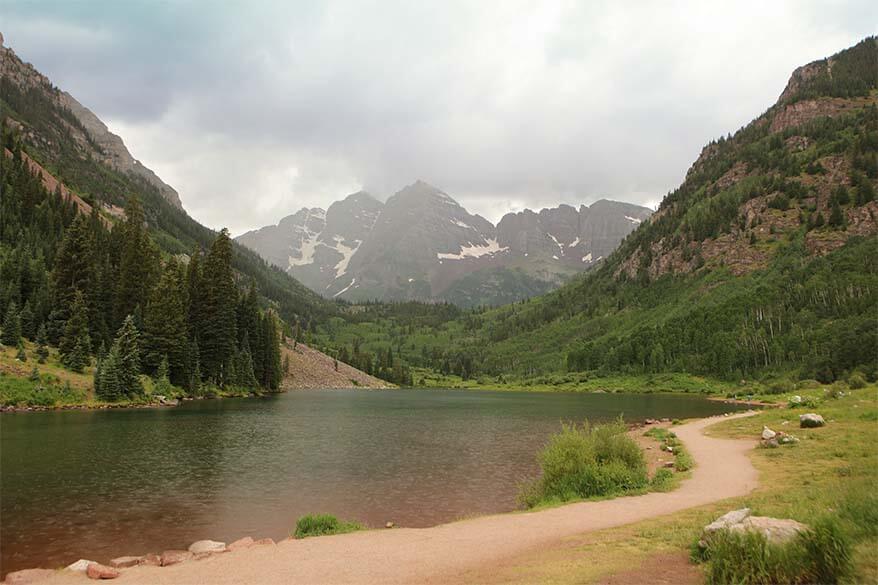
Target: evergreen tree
836	217
138	262
216	335
165	329
162	379
127	346
74	267
110	388
21	354
11	326
75	346
42	349
28	322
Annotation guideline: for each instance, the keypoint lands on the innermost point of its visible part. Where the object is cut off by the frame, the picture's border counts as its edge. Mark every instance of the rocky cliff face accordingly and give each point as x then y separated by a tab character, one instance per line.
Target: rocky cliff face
421	244
90	134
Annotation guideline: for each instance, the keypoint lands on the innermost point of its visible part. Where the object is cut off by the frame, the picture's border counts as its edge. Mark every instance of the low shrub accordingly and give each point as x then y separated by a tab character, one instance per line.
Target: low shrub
662	481
781	387
856	381
322	525
821	554
586	461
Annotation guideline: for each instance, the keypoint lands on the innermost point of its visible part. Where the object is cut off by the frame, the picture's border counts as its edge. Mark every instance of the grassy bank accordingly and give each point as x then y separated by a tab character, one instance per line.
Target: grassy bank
30	384
831	471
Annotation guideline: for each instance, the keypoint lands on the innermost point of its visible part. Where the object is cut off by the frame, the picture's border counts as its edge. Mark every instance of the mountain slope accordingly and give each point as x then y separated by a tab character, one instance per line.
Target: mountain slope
765	259
77	151
423	245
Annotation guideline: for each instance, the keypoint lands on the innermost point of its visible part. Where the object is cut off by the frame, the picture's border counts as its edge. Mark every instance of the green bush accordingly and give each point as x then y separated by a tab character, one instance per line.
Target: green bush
322	525
662	481
856	381
587	461
821	554
781	387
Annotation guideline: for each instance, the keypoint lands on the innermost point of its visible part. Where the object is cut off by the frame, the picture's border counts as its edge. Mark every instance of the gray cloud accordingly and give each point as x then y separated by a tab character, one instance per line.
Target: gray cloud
252	110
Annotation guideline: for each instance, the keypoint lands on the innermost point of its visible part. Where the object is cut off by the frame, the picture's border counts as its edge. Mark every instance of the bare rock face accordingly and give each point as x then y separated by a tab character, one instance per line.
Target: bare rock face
99	142
99	571
423	245
172	557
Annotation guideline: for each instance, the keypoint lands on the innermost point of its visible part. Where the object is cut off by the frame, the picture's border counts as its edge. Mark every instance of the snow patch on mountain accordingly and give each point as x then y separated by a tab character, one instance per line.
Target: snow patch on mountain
475	251
346	254
345	289
632	219
587	257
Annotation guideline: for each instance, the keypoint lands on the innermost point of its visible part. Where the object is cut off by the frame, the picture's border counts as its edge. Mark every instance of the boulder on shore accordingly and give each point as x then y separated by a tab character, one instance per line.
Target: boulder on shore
811	420
200	547
125	562
775	530
172	557
767	433
80	566
99	571
241	543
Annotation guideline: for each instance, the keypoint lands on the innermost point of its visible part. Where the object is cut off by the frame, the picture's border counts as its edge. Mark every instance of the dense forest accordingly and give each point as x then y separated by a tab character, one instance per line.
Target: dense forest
106	293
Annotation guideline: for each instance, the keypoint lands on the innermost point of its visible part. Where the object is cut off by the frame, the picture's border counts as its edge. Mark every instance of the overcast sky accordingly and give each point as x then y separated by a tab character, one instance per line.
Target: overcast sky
252	110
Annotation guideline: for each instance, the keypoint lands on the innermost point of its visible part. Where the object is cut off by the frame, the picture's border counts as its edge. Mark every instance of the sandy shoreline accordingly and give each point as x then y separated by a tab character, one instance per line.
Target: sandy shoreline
446	552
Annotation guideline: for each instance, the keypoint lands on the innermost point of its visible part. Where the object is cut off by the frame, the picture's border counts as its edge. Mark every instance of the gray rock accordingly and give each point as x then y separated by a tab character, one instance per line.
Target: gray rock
172	557
207	546
79	566
796	399
775	530
125	562
767	433
726	521
811	420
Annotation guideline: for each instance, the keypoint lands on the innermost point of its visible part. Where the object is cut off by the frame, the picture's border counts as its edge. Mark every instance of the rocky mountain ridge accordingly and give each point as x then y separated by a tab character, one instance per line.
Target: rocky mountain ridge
422	244
91	135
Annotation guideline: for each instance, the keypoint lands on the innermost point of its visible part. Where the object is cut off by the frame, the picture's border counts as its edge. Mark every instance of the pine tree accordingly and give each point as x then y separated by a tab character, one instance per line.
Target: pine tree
162	379
21	354
74	267
165	329
836	217
28	322
110	387
139	263
11	326
127	346
216	336
75	346
42	348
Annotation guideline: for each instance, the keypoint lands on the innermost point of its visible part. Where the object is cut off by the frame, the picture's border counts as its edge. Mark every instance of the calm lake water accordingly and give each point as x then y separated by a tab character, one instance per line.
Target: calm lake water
100	484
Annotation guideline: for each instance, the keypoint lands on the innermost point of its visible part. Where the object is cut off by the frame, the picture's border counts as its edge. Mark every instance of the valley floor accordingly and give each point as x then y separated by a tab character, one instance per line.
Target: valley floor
471	550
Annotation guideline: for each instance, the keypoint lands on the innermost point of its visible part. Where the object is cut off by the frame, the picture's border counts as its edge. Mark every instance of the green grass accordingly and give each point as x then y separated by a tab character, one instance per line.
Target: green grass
822	554
323	525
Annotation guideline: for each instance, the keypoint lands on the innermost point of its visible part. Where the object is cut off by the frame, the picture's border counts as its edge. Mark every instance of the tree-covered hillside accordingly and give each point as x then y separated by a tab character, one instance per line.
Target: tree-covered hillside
763	260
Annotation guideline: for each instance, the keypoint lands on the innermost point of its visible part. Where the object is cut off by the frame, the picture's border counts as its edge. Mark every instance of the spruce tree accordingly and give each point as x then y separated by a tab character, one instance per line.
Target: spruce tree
28	322
21	354
11	326
75	346
110	388
162	379
138	262
127	346
217	327
165	329
42	345
74	267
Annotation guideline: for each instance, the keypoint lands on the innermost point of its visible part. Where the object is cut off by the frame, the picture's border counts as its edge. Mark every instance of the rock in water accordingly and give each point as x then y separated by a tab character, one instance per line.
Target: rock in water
767	433
172	557
811	420
124	562
207	546
99	571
